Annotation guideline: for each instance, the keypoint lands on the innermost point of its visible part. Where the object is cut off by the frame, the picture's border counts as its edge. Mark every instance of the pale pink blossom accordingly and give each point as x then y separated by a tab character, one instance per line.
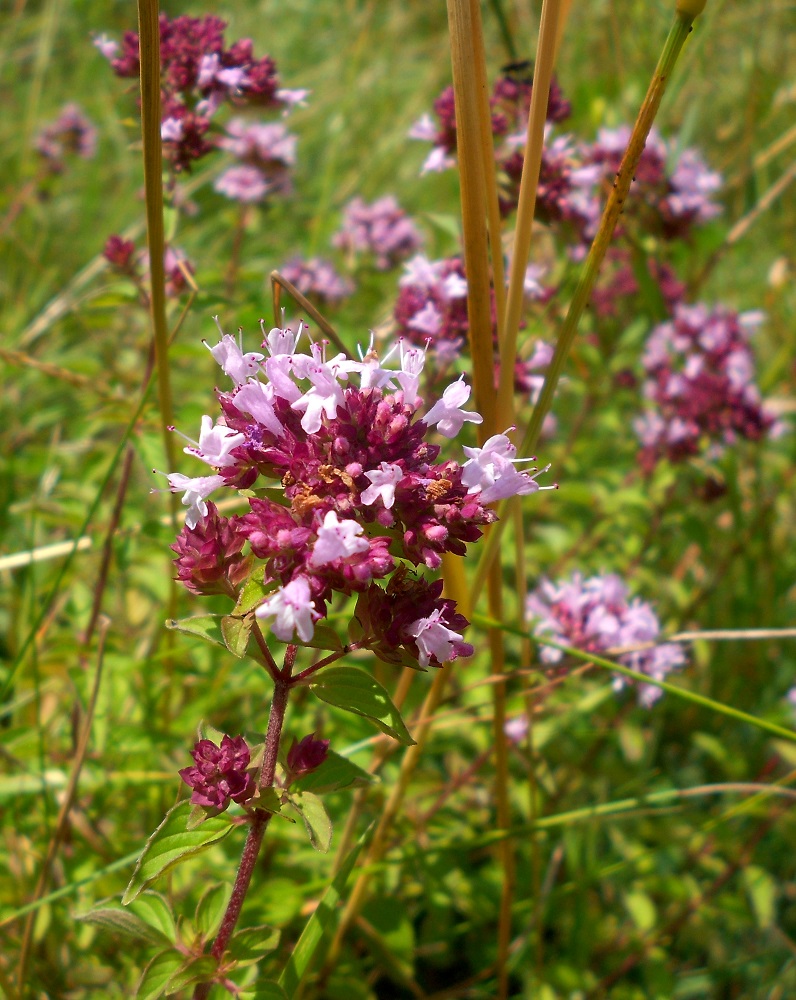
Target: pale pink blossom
337	540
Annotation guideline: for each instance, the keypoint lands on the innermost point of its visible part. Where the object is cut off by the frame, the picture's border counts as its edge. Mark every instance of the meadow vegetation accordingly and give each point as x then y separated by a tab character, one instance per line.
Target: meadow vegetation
505	808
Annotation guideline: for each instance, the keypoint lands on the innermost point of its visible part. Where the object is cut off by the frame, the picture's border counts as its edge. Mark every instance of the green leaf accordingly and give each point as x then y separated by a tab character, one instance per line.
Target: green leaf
197	970
155	911
207	627
334	774
355	691
236	632
157	975
122	922
171	844
641	909
322	922
316	819
210	910
253	592
248	946
761	889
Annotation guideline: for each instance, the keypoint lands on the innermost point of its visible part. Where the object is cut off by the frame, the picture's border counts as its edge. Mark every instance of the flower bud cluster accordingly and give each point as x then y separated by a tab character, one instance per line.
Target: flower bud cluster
363	492
431	310
510	104
670	202
318	280
199	73
595	615
266	154
219	775
127	260
700	376
672	190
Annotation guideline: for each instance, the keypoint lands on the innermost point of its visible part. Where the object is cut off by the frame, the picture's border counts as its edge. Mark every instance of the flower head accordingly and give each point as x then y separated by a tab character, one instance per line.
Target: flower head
219	774
597	616
381	230
700	378
364	493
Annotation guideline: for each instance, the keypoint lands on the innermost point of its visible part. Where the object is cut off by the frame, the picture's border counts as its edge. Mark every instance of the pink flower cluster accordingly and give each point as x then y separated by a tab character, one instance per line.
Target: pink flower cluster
266	154
595	615
199	73
364	495
510	103
70	134
431	310
668	202
700	377
381	230
318	280
219	775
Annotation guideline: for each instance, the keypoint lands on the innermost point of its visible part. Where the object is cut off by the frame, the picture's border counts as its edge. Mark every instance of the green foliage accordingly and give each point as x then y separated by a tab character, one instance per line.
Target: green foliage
357	692
654	849
172	843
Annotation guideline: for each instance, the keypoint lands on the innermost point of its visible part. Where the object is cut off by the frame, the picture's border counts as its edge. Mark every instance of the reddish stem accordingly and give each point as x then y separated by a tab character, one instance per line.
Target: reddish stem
259	820
331	658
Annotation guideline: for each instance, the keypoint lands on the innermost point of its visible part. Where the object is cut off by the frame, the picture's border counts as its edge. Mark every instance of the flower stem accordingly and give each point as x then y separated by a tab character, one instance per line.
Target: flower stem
259	821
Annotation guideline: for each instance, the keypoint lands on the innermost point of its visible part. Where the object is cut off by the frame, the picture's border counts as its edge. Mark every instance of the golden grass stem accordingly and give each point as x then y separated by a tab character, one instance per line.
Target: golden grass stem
470	132
149	45
490	172
534	144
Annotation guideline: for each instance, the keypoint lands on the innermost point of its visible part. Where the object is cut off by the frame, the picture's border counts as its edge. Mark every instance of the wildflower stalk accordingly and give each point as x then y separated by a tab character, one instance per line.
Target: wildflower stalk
149	35
613	209
259	820
490	175
456	589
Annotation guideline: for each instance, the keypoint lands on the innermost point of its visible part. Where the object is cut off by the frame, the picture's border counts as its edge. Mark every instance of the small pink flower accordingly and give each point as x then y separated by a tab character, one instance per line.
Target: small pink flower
293	610
337	540
447	413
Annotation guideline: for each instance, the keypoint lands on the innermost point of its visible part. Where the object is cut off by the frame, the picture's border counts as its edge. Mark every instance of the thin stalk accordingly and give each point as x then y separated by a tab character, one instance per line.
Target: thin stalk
635	675
389	813
475	154
490	174
613	209
534	144
259	821
278	282
149	46
472	156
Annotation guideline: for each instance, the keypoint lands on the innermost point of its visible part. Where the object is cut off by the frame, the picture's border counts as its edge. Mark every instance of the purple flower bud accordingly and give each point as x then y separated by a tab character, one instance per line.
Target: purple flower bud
306	756
219	774
209	559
